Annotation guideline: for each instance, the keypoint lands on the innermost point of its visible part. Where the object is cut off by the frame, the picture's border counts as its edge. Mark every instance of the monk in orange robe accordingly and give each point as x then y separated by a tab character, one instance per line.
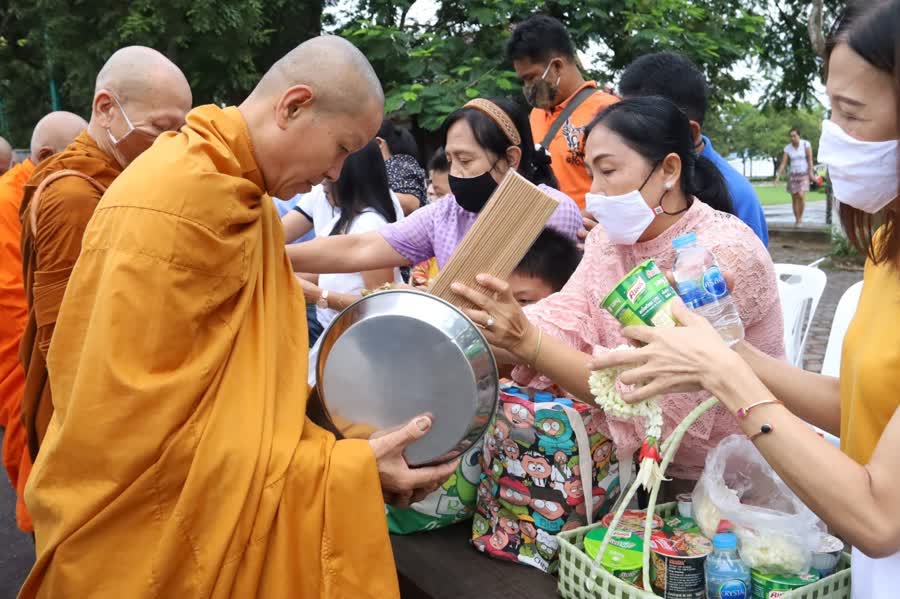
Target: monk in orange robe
179	461
6	156
51	135
139	94
13	308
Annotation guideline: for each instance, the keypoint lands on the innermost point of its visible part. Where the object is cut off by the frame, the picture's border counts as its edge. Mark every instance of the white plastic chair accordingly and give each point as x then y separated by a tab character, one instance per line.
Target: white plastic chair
800	288
843	314
831	364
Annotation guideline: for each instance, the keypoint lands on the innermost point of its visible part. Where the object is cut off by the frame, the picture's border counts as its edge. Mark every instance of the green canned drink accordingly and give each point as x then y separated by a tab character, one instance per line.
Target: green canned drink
643	297
774	586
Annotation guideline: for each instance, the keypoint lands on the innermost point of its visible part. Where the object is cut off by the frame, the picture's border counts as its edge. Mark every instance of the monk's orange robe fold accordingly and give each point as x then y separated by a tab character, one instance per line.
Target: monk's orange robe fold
13	309
13	316
179	461
49	254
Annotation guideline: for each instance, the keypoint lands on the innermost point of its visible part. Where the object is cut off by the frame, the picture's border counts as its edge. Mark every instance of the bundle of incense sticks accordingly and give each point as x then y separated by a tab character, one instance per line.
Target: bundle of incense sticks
509	223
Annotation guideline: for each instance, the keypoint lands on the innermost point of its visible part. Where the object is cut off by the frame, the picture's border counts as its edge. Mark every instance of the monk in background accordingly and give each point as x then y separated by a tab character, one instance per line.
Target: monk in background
51	135
139	94
180	461
6	156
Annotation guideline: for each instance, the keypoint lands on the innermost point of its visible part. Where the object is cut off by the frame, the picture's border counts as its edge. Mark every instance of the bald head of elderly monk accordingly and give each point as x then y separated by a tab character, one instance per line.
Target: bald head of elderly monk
139	94
182	347
6	155
53	133
317	105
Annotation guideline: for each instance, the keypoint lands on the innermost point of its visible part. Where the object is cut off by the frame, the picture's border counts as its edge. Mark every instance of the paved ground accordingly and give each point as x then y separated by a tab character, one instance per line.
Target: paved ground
16	547
782	215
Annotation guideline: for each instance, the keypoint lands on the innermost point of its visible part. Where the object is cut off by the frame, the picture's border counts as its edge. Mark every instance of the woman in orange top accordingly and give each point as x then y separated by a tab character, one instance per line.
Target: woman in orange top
857	492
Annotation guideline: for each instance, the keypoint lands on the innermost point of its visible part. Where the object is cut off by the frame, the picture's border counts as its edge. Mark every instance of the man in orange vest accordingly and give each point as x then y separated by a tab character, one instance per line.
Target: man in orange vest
563	102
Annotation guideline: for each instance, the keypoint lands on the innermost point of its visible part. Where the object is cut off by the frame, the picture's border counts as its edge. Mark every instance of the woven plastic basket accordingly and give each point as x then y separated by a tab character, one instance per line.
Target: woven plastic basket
581	578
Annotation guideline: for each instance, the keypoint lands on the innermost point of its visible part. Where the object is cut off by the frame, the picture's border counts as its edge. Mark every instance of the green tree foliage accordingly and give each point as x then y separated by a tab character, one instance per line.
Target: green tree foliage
428	69
742	128
461	55
785	52
221	45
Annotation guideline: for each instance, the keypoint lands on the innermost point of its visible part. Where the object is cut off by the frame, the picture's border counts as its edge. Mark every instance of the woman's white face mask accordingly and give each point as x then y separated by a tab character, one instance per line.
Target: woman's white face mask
863	173
624	217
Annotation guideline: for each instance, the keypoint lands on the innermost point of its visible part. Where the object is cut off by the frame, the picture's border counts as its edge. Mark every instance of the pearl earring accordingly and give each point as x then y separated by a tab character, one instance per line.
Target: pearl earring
668	185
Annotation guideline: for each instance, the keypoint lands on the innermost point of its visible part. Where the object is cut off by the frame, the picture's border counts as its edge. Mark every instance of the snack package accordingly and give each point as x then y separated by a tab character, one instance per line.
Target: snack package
544	462
452	502
776	531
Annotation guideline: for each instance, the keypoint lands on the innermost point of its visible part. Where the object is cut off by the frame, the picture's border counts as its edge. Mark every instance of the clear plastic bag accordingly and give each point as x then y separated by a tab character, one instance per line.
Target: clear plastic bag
776	531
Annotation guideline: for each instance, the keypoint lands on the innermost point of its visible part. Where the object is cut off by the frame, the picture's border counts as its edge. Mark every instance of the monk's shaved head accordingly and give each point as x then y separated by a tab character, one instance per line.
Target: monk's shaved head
141	74
6	154
314	107
53	133
137	89
333	67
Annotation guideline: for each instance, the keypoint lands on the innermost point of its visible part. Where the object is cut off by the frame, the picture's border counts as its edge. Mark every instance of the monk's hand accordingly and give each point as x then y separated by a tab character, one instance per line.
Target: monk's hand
400	484
500	317
679	359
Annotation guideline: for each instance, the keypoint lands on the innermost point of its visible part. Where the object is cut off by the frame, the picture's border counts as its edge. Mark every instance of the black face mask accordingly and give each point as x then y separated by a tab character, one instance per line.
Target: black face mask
472	193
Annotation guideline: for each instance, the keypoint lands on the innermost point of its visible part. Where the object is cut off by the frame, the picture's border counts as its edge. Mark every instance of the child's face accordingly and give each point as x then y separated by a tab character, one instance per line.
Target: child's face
528	290
439	186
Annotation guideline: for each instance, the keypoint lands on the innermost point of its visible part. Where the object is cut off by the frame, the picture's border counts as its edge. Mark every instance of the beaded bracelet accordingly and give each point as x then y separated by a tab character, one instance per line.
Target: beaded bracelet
763	430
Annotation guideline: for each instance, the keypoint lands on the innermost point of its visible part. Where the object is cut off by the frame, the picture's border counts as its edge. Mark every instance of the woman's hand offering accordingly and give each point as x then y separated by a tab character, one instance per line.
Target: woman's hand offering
501	317
588	224
674	360
400	484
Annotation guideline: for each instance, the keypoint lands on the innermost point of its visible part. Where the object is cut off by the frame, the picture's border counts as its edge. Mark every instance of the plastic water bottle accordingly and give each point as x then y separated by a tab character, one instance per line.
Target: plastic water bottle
727	577
702	288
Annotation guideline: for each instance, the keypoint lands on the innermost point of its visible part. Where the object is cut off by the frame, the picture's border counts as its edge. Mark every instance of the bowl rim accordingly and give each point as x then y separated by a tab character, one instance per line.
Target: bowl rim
493	368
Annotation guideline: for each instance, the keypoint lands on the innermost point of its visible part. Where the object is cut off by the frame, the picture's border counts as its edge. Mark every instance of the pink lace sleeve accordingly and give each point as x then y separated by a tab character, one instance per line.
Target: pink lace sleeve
739	251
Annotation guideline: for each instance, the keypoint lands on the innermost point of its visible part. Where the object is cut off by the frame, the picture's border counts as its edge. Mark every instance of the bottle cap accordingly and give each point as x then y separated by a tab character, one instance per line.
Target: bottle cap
684	240
725	541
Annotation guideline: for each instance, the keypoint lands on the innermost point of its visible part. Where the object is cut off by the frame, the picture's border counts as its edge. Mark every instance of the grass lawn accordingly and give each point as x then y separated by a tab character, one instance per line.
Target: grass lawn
769	194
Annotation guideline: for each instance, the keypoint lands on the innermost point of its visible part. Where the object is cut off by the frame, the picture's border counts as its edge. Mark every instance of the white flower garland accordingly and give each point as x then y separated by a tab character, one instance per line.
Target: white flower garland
603	387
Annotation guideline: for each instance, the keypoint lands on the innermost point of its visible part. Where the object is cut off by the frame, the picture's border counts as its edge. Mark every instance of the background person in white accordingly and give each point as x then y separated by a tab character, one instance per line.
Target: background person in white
358	202
799	153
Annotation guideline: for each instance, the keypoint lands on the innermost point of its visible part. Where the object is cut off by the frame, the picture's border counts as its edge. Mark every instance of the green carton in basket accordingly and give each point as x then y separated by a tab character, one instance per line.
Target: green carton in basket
644	296
624	556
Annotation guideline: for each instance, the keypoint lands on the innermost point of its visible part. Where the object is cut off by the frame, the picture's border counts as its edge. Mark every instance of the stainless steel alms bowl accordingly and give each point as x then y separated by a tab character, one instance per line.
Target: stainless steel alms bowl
394	355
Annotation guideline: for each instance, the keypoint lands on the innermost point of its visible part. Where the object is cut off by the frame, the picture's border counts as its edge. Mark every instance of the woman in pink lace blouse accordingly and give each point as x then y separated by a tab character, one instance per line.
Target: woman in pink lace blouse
648	189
